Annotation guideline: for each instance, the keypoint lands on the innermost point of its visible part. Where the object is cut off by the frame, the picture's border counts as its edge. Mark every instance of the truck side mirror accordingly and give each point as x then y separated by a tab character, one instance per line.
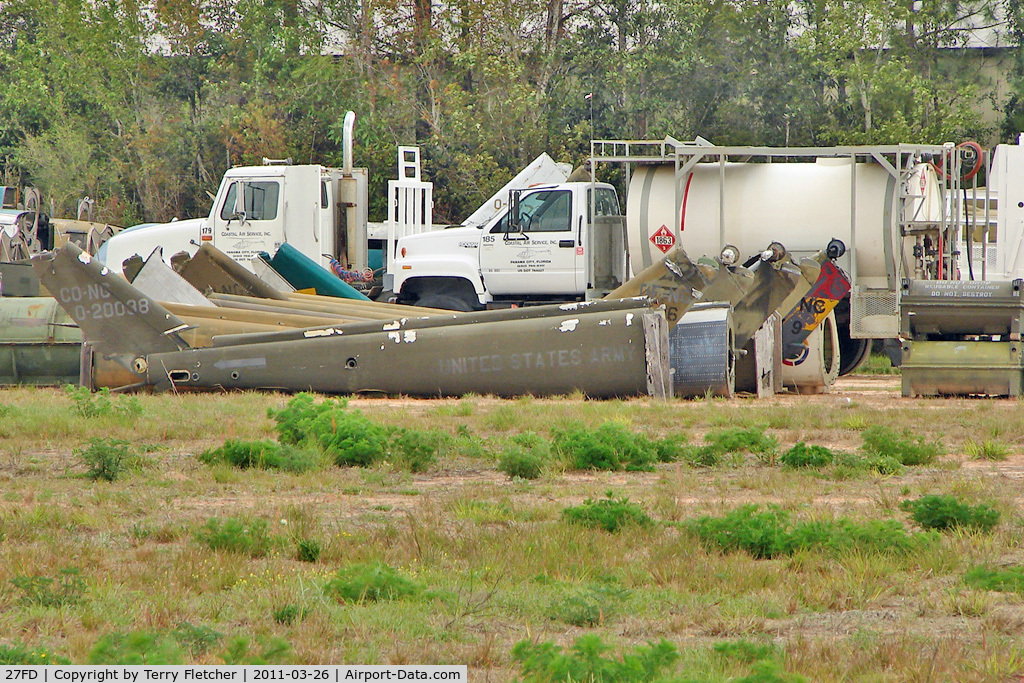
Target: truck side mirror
513	211
238	211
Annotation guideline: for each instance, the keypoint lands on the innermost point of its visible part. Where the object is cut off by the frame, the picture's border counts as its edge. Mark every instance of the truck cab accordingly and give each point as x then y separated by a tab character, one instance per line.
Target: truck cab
257	209
560	242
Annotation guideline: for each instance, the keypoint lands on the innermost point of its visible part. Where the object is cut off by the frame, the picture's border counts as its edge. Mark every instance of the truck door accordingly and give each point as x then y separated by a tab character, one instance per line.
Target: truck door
540	256
249	219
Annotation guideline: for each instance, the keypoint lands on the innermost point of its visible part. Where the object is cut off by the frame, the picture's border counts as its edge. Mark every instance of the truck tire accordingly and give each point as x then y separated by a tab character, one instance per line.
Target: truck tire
448	302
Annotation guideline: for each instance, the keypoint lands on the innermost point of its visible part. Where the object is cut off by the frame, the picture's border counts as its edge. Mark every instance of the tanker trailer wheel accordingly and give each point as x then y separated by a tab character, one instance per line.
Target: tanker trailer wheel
852	352
448	302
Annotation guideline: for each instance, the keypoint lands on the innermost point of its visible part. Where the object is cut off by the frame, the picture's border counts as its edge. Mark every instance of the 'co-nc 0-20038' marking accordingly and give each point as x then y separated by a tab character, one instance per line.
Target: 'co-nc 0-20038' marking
100	310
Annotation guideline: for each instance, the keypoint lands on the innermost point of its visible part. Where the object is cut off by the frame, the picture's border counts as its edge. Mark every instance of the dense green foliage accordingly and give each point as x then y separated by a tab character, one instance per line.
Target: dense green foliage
351	439
730	445
805	455
771	532
906	448
1007	579
587	660
235	535
609	513
264	455
108	459
19	654
948	512
142	107
525	456
611	446
370	582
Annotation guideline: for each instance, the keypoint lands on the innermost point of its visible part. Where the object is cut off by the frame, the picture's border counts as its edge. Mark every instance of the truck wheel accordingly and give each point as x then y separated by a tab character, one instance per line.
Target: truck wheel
448	302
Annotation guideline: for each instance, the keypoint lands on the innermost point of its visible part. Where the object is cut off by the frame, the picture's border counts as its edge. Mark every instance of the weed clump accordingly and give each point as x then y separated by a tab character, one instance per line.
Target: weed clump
802	455
196	639
610	447
234	535
99	404
270	651
771	532
308	550
108	459
731	443
370	582
589	606
288	614
746	651
761	533
948	512
587	660
525	456
294	419
610	514
350	438
986	450
1007	580
67	588
886	465
21	654
264	455
136	647
906	448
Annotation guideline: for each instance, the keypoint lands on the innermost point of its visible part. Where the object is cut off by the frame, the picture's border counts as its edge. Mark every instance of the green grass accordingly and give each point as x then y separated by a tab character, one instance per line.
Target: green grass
877	364
837	583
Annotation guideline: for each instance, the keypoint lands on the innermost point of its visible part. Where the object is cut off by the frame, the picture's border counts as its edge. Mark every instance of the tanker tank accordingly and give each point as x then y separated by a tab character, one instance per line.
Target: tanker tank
799	204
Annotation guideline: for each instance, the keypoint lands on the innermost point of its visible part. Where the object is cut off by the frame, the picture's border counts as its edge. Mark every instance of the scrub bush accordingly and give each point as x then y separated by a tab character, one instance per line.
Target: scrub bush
904	447
264	455
136	647
67	588
770	532
948	512
370	582
108	459
610	514
350	438
246	537
99	404
586	660
294	419
21	654
286	615
587	607
802	455
734	442
525	456
307	550
1008	580
610	447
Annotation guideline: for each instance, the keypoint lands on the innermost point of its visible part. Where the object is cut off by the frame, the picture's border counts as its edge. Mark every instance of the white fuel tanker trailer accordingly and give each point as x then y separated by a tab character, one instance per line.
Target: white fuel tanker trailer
889	205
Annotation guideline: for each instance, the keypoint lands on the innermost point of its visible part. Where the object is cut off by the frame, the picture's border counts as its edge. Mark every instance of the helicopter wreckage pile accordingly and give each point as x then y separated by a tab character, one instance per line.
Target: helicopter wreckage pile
677	328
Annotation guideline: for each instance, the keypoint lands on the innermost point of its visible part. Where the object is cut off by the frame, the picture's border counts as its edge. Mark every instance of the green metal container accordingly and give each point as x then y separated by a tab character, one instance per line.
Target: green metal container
39	343
962	368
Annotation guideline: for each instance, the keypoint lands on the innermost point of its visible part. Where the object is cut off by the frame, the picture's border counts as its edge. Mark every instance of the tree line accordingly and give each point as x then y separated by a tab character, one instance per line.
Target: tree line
142	106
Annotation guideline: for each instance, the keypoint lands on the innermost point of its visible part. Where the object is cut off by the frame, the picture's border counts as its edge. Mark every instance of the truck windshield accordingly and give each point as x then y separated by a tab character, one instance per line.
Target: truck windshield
544	211
260	200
